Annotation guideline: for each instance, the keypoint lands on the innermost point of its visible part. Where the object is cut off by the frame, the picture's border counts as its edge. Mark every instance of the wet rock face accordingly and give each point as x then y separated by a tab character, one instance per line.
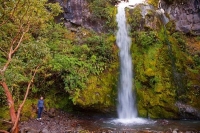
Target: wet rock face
186	16
73	10
76	13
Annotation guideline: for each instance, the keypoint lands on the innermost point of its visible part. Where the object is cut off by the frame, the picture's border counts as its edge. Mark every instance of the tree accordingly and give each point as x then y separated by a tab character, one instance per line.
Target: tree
20	24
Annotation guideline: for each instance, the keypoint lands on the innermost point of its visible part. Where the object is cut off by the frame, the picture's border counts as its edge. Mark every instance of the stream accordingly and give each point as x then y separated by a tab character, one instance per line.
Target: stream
106	123
160	125
89	122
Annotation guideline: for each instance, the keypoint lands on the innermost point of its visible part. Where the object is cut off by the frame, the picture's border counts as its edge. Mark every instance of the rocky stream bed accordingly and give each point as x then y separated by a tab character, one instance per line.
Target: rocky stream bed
62	122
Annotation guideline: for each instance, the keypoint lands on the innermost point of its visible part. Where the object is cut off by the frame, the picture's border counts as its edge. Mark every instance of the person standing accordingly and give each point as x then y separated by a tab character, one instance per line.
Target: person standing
40	107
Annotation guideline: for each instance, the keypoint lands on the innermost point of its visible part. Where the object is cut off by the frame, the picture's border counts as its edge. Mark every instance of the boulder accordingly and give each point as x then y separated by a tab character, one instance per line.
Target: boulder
52	112
188	111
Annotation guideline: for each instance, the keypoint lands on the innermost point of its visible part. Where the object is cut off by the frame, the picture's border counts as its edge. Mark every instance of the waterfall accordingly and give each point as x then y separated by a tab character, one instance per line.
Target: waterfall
127	110
126	106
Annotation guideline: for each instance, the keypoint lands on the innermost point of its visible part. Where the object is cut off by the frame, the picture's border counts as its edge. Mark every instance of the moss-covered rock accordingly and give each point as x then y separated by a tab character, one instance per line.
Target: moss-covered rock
164	71
101	91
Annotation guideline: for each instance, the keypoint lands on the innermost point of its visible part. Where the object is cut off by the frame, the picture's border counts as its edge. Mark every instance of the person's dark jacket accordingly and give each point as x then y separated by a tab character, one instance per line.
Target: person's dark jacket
40	103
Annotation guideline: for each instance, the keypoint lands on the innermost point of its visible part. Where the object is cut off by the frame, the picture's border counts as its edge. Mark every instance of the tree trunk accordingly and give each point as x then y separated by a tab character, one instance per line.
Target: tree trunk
10	101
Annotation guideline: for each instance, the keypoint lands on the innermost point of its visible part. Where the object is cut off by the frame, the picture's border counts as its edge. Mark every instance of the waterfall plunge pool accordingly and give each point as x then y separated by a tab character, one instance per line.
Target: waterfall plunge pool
128	122
100	123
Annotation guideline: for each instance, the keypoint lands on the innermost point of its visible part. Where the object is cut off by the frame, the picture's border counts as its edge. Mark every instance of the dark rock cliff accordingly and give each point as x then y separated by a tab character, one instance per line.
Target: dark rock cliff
186	15
76	13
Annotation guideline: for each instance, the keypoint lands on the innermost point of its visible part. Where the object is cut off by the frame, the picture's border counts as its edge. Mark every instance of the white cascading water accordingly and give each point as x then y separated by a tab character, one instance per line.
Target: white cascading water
127	110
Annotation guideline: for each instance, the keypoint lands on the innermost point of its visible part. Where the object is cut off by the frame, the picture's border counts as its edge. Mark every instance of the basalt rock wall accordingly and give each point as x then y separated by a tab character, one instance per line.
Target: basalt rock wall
186	15
76	13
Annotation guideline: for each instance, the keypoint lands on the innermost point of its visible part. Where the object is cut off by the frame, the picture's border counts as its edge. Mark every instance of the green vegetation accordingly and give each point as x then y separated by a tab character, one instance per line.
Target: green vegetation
92	57
66	62
81	68
162	66
19	22
104	12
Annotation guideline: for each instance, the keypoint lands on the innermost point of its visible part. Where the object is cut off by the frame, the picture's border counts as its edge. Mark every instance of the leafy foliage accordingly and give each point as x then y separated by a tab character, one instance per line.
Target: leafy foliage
78	62
21	22
146	39
57	50
103	10
135	19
